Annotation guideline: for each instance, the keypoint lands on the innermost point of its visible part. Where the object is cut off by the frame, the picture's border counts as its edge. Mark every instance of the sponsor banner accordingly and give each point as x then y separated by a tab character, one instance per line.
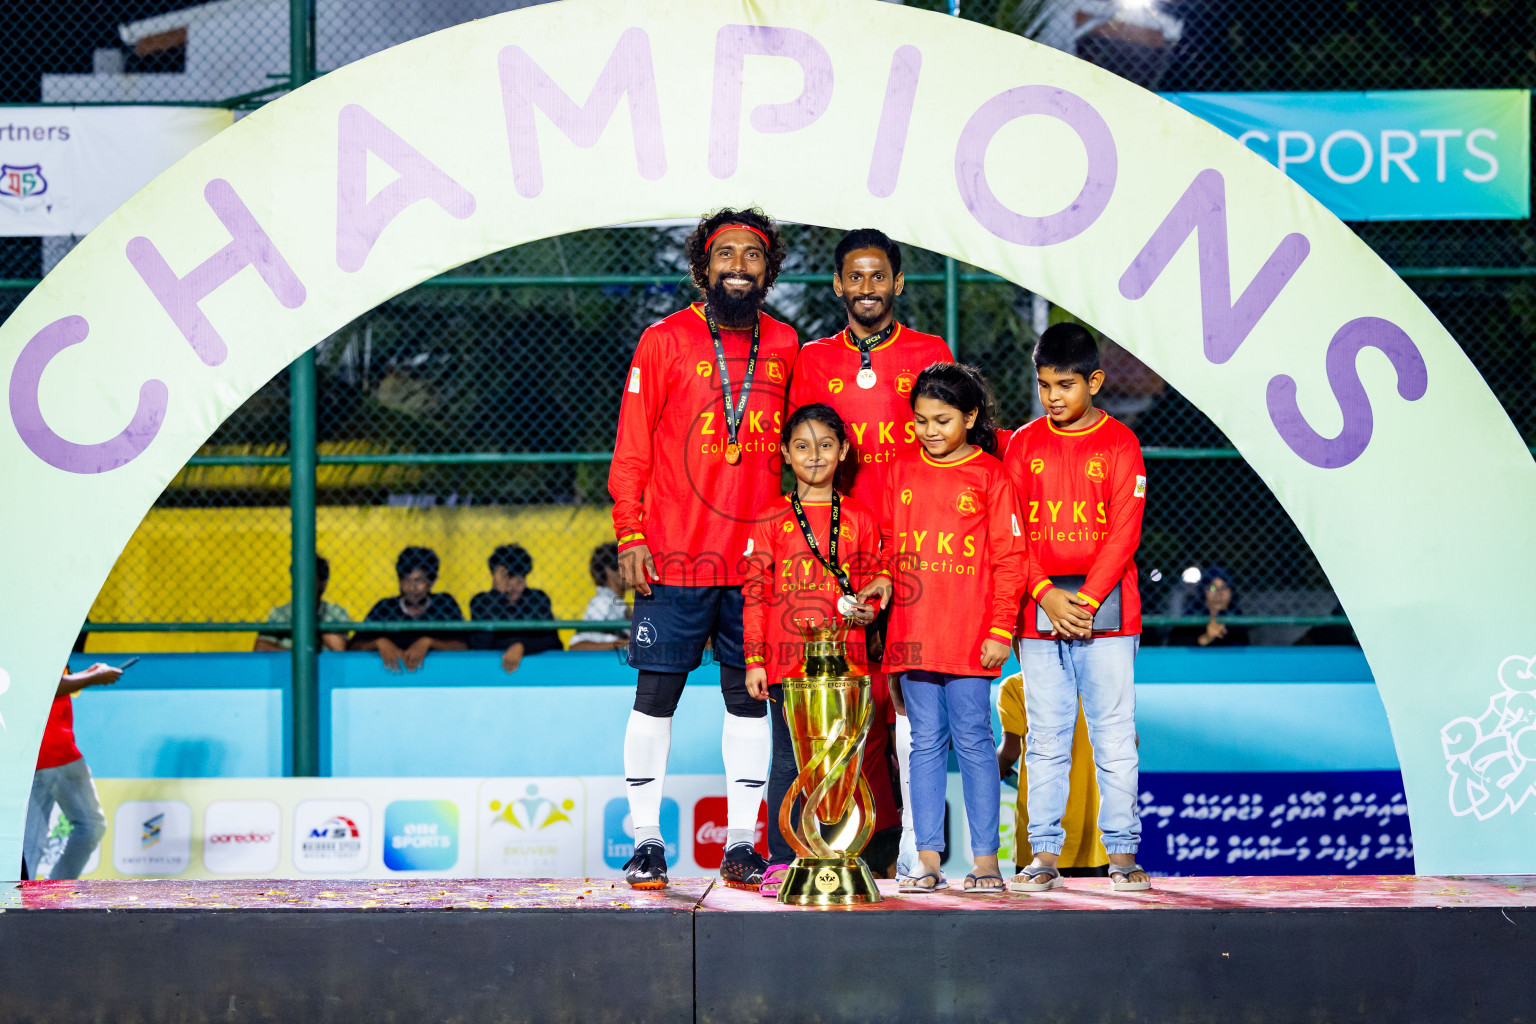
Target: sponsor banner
709	828
152	837
331	836
532	828
1275	823
241	837
421	835
63	169
1413	155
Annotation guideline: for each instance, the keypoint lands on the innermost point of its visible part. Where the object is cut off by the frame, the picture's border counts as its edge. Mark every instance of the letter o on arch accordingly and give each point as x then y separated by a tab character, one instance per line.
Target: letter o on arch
971	158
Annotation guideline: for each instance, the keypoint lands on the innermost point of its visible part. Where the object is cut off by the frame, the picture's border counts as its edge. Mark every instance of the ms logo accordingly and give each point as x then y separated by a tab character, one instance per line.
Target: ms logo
703	368
835	385
645	633
968	503
22	182
906	496
1037	465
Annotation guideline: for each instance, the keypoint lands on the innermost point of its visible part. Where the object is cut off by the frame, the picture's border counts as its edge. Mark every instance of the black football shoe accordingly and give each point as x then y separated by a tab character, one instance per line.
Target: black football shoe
647	869
743	867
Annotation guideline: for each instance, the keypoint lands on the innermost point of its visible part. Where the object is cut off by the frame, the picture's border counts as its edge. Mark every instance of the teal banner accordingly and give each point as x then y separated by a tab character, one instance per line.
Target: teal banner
1428	155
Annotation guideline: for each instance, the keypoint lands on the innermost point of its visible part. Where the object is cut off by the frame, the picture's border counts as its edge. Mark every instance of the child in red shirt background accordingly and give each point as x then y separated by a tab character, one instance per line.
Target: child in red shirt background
953	551
1082	484
788	581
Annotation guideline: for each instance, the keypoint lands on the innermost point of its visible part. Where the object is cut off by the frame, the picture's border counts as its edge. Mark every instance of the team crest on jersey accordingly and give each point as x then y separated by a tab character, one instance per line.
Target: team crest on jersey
904	382
775	371
835	385
1096	468
645	633
1037	465
906	496
968	502
703	368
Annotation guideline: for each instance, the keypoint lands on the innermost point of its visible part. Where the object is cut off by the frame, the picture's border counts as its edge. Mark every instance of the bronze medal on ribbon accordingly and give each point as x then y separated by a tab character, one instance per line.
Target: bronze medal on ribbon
733	453
734	411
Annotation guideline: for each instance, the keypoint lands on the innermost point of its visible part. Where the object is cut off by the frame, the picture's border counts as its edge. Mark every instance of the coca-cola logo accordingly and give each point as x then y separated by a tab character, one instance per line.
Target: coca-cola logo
713	833
709	831
241	837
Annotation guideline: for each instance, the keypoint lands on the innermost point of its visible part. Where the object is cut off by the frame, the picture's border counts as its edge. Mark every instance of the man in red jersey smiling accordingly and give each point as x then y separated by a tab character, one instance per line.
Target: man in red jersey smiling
865	371
697	456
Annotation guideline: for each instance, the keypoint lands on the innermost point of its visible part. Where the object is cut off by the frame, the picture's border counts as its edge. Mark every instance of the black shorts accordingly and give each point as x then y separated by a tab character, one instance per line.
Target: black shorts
672	625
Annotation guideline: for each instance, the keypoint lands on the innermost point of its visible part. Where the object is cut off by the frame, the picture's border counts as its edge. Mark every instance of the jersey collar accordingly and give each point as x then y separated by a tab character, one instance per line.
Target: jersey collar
887	343
948	465
1103	419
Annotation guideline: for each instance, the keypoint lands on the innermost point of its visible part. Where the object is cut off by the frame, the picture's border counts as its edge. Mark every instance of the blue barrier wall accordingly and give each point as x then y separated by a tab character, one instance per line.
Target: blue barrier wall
189	715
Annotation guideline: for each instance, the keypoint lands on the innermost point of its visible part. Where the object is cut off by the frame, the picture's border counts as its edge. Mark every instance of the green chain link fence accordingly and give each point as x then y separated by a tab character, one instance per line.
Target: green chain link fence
478	408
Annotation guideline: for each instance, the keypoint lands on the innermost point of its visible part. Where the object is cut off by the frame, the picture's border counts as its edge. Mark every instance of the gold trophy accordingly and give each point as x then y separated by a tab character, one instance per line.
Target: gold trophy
828	714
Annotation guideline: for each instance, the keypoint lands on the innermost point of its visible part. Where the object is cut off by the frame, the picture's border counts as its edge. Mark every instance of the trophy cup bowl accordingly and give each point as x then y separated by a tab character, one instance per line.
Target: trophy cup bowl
827	710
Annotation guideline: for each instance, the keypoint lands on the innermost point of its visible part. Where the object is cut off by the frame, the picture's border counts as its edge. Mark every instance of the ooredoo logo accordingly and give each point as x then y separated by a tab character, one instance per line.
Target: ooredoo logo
421	835
240	837
330	836
709	829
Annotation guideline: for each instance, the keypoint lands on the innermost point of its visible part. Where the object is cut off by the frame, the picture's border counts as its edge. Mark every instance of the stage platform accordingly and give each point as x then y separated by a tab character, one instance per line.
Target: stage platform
1294	948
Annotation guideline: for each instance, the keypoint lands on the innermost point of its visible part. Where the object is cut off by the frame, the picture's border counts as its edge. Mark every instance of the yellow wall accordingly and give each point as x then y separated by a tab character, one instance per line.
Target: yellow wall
231	564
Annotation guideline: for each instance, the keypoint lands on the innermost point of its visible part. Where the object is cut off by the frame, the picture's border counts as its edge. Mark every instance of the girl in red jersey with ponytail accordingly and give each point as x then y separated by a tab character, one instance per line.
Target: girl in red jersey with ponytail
810	552
953	551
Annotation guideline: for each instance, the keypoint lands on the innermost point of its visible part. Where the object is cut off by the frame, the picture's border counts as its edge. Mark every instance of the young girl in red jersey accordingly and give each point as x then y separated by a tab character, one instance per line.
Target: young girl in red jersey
952	544
790	577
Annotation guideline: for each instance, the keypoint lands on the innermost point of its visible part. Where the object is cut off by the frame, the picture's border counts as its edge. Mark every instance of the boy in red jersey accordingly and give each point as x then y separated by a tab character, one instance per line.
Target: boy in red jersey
1082	484
866	372
697	455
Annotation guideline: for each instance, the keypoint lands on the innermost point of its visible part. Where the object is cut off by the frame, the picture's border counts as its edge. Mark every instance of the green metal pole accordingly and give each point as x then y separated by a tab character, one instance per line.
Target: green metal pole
301	453
952	305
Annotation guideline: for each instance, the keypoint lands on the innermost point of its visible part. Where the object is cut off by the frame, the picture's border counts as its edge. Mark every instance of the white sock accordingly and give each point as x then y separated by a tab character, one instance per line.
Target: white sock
906	858
746	745
647	742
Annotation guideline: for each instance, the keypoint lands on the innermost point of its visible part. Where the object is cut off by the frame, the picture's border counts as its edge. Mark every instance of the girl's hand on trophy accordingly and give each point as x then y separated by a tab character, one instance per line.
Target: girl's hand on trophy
757	682
993	653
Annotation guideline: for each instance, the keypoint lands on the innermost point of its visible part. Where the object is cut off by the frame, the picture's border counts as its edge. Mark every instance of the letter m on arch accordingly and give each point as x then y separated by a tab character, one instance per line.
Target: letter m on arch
628	73
1202	211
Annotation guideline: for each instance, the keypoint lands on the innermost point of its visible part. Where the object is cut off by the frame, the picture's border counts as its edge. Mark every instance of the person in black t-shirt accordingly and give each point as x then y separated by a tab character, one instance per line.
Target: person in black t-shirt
416	569
1220	597
510	597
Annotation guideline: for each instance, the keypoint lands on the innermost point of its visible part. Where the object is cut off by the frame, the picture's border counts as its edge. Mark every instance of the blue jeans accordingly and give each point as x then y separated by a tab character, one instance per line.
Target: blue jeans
71	787
1101	672
944	708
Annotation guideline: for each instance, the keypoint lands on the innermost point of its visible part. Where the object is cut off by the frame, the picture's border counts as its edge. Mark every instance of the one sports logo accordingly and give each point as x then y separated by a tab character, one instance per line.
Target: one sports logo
703	369
22	182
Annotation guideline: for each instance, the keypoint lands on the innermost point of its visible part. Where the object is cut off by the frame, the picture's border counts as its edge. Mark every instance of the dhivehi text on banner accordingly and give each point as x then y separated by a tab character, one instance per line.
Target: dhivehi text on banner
63	169
1420	155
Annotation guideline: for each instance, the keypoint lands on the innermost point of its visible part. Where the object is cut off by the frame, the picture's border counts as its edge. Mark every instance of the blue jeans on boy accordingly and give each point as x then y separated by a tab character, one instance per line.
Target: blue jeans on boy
944	708
1101	672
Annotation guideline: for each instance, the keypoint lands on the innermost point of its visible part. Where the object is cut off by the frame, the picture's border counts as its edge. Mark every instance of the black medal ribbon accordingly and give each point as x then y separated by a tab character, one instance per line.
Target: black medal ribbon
734	412
829	561
869	344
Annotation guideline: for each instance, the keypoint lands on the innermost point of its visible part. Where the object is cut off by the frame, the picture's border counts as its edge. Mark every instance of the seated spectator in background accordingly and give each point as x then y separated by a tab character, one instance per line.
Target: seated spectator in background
63	778
282	615
416	569
607	605
1336	635
510	597
1220	598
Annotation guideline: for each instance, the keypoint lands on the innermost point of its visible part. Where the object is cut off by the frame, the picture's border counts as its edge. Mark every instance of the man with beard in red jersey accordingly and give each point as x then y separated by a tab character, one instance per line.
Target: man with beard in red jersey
697	456
865	371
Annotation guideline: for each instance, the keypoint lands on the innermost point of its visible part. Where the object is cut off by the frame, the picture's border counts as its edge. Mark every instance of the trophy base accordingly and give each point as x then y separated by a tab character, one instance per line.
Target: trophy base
828	882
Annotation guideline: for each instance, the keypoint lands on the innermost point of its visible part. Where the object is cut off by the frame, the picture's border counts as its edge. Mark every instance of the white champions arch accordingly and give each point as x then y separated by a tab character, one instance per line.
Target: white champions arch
1339	387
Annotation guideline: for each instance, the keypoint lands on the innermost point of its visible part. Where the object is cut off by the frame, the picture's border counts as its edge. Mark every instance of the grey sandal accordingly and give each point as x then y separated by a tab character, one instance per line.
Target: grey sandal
1120	879
1040	879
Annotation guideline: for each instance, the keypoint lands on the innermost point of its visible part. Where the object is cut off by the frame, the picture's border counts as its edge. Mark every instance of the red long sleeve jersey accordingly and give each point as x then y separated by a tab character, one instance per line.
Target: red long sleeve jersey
952	543
879	419
785	581
1082	493
672	488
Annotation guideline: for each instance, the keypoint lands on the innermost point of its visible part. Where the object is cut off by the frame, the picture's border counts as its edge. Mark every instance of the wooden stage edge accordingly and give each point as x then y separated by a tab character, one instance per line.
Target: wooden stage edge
1288	948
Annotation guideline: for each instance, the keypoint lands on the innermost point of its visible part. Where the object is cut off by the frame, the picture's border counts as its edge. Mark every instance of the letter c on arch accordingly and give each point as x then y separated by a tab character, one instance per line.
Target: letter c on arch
971	159
37	435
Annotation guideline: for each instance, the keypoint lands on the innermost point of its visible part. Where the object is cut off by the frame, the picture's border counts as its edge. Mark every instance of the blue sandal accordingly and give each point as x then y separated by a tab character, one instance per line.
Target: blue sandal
915	886
976	887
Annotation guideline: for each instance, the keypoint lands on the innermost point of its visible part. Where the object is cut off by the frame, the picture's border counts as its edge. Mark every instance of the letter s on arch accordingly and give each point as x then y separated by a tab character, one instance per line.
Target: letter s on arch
1345	347
27	414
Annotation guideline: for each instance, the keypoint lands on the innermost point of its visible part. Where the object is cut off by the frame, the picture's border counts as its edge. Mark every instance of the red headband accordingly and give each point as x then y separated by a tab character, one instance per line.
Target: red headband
728	227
